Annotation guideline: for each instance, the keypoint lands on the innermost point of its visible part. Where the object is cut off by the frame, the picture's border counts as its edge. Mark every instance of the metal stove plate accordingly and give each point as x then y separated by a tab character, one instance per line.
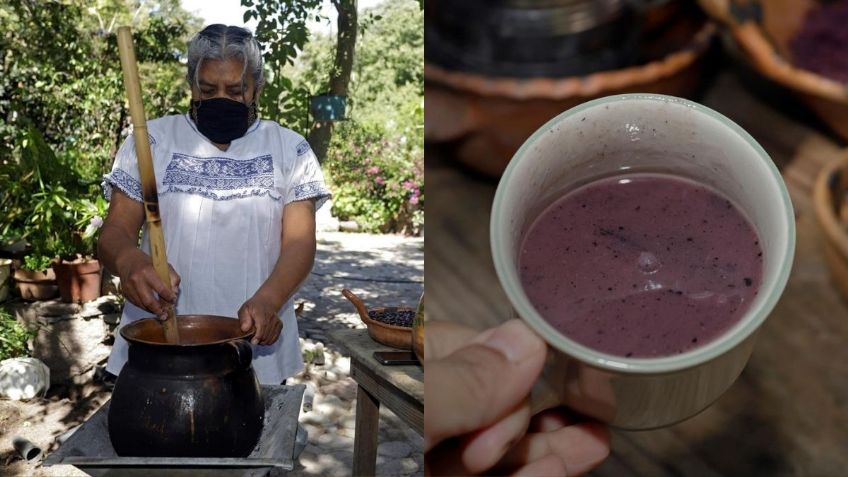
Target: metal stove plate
90	448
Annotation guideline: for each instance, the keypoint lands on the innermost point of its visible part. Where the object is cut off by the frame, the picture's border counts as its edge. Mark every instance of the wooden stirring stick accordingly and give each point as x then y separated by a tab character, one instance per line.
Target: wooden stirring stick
145	168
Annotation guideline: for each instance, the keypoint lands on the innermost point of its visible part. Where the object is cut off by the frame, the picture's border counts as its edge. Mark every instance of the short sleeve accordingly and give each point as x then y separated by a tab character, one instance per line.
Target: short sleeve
124	174
306	180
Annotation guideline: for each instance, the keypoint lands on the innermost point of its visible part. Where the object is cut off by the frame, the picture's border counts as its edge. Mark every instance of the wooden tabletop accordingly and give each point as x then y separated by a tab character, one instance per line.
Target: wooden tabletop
408	379
787	414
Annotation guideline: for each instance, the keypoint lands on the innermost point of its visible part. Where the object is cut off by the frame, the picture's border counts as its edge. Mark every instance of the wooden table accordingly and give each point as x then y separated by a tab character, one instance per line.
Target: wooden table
399	388
788	412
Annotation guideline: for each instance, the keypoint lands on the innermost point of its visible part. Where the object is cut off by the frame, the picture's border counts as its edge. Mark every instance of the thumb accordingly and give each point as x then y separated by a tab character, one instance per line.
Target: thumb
482	382
245	318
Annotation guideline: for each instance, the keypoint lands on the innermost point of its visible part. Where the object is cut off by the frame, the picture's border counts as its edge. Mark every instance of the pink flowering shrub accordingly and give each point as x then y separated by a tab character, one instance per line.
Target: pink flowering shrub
377	181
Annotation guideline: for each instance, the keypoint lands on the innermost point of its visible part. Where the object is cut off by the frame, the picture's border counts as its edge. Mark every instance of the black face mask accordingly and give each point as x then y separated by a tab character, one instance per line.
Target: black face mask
222	120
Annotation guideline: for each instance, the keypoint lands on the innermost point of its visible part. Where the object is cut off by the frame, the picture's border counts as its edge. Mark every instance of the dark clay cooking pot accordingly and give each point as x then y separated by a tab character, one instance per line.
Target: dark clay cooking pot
200	398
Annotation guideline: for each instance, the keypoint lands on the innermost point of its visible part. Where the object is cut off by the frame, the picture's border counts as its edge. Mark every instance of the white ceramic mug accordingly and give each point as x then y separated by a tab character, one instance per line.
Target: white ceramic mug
642	133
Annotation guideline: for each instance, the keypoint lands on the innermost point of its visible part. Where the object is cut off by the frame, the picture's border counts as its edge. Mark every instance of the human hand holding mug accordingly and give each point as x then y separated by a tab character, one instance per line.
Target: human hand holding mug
478	417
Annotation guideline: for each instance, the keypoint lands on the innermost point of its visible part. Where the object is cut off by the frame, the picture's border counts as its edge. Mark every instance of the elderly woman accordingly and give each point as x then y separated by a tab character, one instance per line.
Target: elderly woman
238	197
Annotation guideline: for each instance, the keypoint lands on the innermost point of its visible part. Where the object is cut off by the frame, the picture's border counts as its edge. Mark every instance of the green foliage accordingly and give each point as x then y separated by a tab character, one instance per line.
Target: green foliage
282	31
46	202
14	337
63	111
37	263
60	72
375	161
377	180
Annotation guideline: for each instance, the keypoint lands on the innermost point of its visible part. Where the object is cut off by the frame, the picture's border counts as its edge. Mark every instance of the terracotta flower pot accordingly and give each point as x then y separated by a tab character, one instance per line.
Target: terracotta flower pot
79	280
5	278
36	286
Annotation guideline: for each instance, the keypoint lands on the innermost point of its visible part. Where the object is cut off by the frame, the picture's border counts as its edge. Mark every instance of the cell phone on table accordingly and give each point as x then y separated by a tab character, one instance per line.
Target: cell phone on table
395	358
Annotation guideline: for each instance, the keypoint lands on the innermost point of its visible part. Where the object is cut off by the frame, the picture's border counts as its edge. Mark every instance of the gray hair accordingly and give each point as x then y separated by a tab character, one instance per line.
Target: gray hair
222	42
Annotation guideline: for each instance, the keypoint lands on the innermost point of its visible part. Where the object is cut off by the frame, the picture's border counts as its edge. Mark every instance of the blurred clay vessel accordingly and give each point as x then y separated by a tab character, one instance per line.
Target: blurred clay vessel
496	70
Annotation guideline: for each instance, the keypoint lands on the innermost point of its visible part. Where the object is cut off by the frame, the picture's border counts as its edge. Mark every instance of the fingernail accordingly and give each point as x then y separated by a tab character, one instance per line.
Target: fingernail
514	340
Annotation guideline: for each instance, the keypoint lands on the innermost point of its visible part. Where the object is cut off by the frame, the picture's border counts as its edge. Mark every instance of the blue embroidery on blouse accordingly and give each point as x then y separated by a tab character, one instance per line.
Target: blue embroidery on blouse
122	180
220	178
312	190
309	190
302	148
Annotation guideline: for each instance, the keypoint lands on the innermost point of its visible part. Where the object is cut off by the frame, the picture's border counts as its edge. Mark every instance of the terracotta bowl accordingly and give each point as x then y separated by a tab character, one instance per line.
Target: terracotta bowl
761	32
488	118
390	335
828	195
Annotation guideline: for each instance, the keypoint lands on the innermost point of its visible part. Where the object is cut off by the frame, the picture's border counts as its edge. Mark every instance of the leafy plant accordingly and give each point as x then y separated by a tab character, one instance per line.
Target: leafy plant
282	31
89	219
37	263
377	181
14	337
375	159
71	84
63	113
65	227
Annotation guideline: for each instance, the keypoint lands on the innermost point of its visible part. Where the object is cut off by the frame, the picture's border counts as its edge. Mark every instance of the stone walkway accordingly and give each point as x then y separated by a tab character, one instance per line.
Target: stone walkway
382	269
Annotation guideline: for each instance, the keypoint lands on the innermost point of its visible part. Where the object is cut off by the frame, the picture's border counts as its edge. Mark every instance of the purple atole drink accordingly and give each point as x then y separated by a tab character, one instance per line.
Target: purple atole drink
641	265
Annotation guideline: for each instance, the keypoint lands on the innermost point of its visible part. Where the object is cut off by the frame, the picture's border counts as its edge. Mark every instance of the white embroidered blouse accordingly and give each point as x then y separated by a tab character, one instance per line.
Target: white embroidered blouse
222	218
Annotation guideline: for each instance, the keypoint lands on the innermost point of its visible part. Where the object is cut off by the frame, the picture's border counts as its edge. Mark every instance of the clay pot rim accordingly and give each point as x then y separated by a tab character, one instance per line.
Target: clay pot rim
823	205
78	260
243	336
595	84
84	266
28	276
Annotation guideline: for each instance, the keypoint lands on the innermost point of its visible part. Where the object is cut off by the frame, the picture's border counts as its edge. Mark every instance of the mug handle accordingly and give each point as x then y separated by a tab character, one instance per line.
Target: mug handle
544	395
244	352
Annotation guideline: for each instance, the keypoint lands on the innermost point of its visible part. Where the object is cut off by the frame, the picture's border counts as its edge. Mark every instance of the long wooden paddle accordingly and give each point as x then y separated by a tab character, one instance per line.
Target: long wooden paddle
132	86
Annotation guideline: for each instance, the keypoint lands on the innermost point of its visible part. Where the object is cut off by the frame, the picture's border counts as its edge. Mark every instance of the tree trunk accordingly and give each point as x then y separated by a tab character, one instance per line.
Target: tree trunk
321	132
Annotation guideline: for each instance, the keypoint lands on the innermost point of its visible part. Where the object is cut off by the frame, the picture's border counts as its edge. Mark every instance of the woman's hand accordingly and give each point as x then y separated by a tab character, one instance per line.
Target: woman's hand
261	313
118	251
141	285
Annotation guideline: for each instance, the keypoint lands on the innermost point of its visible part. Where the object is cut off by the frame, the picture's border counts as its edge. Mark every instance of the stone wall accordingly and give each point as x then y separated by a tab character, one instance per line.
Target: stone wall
72	340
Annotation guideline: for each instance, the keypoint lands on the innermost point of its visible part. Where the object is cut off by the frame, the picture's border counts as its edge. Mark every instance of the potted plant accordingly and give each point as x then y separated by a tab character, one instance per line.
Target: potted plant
78	272
40	198
35	280
64	229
